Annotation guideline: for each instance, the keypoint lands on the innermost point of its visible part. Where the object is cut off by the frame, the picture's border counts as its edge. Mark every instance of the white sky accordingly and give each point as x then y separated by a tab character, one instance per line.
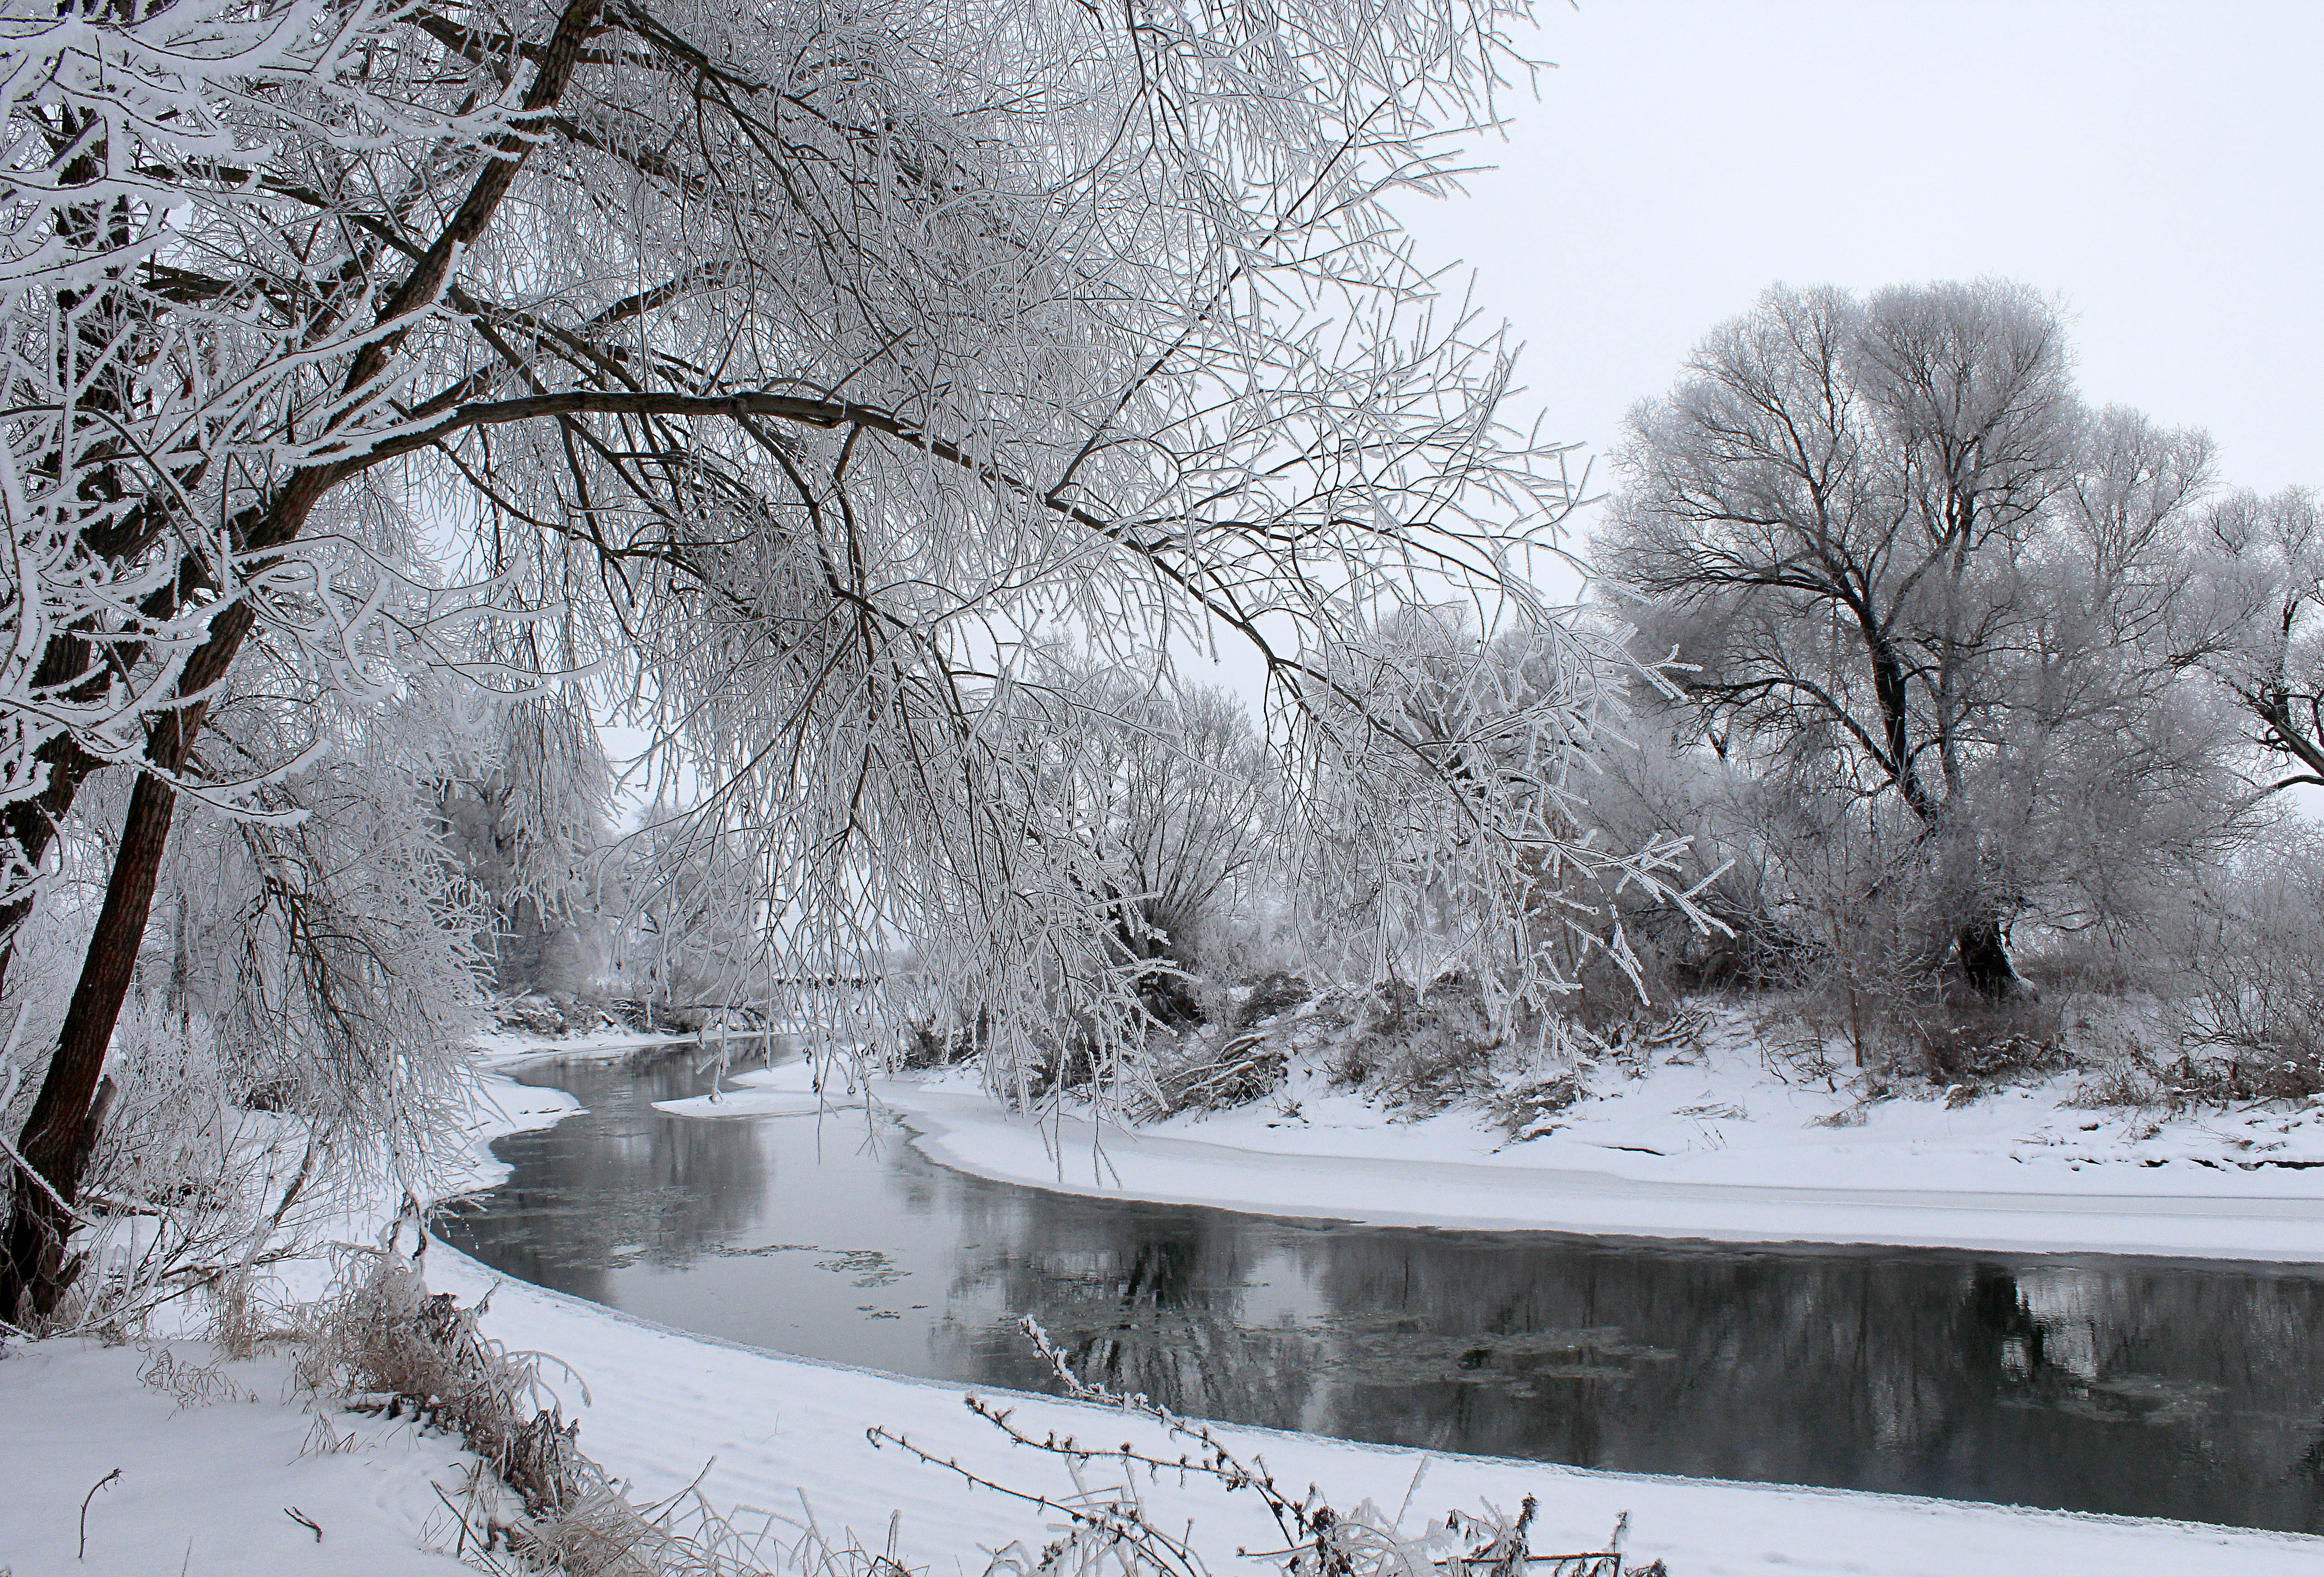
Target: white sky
2156	167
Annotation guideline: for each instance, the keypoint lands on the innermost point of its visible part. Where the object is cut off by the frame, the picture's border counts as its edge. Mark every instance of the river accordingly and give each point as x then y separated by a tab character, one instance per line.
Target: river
2137	1386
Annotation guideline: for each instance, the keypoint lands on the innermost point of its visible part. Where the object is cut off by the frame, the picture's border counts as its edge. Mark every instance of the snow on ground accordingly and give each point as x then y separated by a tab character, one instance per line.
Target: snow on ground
204	1486
1728	1111
207	1470
1399	1182
785	1437
507	1047
1719	1142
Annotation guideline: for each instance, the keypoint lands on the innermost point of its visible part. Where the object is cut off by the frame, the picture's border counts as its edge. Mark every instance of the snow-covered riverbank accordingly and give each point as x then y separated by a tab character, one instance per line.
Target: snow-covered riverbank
780	1434
776	1431
1390	1176
1721	1143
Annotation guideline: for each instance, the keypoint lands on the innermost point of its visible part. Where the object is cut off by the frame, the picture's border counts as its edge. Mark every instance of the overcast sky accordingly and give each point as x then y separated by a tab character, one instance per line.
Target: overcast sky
2154	166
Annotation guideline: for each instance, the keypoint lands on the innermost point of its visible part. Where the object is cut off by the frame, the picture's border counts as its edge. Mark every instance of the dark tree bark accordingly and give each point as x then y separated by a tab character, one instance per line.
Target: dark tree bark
35	1270
40	1217
1982	948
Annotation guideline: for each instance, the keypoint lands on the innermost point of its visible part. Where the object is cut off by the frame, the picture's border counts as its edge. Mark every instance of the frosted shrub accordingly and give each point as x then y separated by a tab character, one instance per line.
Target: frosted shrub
1213	1071
1417	1052
2250	954
1967	1043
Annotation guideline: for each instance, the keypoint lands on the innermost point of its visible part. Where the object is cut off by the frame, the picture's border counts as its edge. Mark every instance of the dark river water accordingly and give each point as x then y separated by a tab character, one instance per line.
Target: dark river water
2151	1387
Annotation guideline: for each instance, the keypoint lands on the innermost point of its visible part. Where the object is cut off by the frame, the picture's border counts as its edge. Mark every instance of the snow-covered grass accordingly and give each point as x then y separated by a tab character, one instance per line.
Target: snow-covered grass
208	1485
216	1454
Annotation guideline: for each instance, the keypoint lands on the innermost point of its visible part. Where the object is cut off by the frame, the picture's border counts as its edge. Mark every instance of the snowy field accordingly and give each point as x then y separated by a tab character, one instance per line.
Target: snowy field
209	1488
205	1486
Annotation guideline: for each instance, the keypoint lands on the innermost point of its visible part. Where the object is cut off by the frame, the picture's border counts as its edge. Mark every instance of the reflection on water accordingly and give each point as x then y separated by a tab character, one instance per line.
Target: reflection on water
2128	1386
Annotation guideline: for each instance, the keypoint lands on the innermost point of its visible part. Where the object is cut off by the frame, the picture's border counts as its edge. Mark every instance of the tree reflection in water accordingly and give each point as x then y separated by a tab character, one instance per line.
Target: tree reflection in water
2129	1385
1139	1301
623	1185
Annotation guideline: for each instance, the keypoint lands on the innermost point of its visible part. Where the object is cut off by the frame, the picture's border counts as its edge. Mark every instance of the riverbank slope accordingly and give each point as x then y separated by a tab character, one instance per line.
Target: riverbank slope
1384	1175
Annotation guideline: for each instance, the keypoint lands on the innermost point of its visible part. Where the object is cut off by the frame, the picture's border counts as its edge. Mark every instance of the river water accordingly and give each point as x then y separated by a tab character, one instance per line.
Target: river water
2137	1386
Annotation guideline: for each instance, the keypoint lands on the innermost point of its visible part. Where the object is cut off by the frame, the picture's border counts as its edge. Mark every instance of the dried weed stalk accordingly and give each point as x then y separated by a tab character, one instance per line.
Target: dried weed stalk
385	1345
1108	1528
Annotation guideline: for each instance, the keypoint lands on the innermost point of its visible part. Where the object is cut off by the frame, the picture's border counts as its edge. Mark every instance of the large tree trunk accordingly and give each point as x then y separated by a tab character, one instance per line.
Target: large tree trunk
58	1136
34	1267
1982	947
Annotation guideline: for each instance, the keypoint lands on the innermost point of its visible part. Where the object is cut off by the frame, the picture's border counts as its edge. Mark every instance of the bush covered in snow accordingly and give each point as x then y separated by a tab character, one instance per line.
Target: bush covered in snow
2250	1011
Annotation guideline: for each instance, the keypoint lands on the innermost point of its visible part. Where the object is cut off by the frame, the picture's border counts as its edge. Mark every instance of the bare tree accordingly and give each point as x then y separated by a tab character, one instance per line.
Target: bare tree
1396	876
1905	562
2247	942
1171	790
526	816
2262	568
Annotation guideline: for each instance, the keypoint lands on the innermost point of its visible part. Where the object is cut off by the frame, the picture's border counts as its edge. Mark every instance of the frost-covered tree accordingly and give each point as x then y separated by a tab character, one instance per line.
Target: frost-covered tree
1439	830
1905	562
2247	947
689	908
525	822
1171	791
2260	570
787	363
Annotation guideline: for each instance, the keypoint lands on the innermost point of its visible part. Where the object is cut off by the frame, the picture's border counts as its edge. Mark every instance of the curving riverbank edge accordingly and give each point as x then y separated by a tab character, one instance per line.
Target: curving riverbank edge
780	1433
1355	1174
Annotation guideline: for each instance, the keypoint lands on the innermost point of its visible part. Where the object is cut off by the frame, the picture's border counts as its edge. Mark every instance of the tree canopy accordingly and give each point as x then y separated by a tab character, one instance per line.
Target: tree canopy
1901	561
782	371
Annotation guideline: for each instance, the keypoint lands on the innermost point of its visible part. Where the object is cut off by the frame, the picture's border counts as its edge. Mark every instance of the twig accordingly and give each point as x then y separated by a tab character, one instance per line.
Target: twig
1411	1490
93	1489
460	1547
303	1520
46	1186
